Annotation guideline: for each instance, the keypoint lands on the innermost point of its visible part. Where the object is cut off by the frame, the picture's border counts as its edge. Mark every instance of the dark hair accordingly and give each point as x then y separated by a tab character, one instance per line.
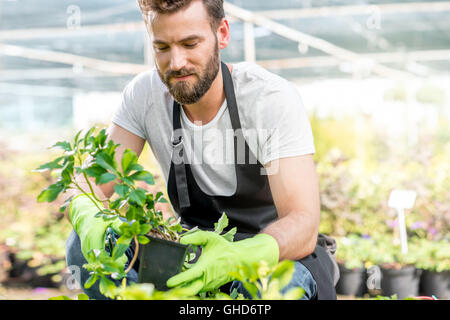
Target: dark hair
214	8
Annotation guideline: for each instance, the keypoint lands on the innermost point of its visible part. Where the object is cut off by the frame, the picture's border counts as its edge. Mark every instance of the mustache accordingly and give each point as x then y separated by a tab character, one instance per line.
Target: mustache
179	73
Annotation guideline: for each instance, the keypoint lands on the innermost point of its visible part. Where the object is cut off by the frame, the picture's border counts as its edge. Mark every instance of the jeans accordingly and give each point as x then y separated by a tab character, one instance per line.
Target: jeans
75	260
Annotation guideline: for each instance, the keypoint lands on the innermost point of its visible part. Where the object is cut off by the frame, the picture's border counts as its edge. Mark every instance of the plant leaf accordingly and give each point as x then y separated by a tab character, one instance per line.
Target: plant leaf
106	285
83	296
230	234
221	224
50	193
143	239
138	196
145	228
50	165
121	246
95	171
105	178
128	159
63	145
121	189
143	176
106	161
90	281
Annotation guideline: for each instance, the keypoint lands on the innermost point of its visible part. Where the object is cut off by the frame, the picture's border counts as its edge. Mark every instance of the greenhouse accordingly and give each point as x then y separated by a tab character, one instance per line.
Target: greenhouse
372	76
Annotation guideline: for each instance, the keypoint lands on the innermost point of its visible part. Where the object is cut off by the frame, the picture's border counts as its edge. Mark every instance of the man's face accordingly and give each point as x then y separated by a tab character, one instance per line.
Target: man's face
186	52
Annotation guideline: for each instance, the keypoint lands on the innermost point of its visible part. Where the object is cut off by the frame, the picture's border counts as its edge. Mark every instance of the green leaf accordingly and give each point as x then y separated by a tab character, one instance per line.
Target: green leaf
230	234
50	165
63	145
87	135
116	204
128	159
159	198
121	246
100	139
67	169
105	178
106	285
131	213
284	272
121	189
77	137
90	281
60	298
95	171
143	239
143	176
50	193
83	296
106	161
221	224
138	196
145	228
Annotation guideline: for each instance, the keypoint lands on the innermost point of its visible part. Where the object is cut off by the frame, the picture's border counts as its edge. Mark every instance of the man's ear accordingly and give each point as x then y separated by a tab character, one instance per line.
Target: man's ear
223	34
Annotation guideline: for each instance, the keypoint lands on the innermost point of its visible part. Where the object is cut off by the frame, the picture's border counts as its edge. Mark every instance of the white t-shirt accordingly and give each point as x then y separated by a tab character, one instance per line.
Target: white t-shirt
273	120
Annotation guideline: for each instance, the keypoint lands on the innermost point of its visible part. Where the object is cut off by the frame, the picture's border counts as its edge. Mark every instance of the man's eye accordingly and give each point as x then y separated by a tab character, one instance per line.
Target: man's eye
161	48
190	45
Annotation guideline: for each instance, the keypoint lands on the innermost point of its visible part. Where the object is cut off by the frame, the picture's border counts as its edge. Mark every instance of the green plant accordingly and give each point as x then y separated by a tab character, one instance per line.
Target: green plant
353	251
432	255
259	280
387	253
93	157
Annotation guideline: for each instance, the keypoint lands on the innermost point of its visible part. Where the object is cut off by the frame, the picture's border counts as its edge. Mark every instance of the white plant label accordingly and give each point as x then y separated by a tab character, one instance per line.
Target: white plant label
401	200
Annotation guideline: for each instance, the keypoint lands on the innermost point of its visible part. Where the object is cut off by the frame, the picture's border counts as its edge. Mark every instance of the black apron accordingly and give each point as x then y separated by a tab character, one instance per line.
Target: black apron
250	209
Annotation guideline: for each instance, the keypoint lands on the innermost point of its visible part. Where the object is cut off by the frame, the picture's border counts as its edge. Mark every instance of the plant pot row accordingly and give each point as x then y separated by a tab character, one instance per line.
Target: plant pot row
404	282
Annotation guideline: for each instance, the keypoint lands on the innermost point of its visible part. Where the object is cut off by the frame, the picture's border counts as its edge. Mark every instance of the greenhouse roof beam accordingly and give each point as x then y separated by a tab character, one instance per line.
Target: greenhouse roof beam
315	42
367	9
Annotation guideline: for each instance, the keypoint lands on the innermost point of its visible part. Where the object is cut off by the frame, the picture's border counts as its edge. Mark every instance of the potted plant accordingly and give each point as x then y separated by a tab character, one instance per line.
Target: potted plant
433	258
351	256
92	156
398	272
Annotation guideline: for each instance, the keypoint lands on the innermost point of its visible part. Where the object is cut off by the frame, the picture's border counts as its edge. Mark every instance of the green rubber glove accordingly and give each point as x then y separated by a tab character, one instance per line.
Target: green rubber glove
90	229
219	257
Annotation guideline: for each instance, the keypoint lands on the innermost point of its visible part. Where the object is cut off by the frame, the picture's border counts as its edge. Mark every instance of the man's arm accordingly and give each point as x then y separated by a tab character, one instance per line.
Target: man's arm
295	191
127	140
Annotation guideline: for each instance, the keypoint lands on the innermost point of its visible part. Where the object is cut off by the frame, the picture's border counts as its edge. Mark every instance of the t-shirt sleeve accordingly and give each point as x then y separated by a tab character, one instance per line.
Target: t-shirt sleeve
287	130
130	114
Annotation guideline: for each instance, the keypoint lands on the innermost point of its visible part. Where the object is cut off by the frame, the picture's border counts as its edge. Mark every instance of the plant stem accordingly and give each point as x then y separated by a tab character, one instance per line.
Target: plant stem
85	193
136	252
90	186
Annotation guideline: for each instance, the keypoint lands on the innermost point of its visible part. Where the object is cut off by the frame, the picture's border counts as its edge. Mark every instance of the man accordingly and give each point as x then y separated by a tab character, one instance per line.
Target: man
269	189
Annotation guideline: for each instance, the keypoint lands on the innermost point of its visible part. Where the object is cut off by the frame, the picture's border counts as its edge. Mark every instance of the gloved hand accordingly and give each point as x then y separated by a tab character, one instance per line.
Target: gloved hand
91	230
219	257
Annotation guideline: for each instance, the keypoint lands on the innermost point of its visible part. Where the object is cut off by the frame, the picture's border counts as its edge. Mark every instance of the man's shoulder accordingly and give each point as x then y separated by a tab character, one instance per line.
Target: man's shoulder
251	78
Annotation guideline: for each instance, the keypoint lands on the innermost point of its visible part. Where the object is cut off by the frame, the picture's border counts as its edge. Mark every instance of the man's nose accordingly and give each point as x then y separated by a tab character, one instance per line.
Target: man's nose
177	59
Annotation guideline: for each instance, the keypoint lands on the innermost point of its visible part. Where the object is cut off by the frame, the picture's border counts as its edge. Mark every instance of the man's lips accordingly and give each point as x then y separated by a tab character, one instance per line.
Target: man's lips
181	78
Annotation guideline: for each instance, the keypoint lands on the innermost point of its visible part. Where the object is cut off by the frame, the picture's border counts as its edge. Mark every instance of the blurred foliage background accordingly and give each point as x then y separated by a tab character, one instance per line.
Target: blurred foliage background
372	134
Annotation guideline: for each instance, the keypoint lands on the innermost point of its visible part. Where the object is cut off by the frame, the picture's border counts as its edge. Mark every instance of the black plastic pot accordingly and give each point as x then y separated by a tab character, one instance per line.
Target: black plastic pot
352	282
404	282
159	260
435	283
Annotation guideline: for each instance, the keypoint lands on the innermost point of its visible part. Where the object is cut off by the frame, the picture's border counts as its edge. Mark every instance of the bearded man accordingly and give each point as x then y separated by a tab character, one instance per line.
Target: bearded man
253	160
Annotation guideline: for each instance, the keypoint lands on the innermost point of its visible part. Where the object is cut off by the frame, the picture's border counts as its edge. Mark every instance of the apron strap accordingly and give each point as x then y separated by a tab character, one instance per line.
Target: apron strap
178	159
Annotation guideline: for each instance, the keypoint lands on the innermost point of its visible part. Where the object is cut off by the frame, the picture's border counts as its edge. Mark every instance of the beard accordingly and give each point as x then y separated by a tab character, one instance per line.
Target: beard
184	92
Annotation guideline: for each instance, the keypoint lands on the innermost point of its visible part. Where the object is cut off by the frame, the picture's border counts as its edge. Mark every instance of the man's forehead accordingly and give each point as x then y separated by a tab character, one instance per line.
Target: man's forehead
191	17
